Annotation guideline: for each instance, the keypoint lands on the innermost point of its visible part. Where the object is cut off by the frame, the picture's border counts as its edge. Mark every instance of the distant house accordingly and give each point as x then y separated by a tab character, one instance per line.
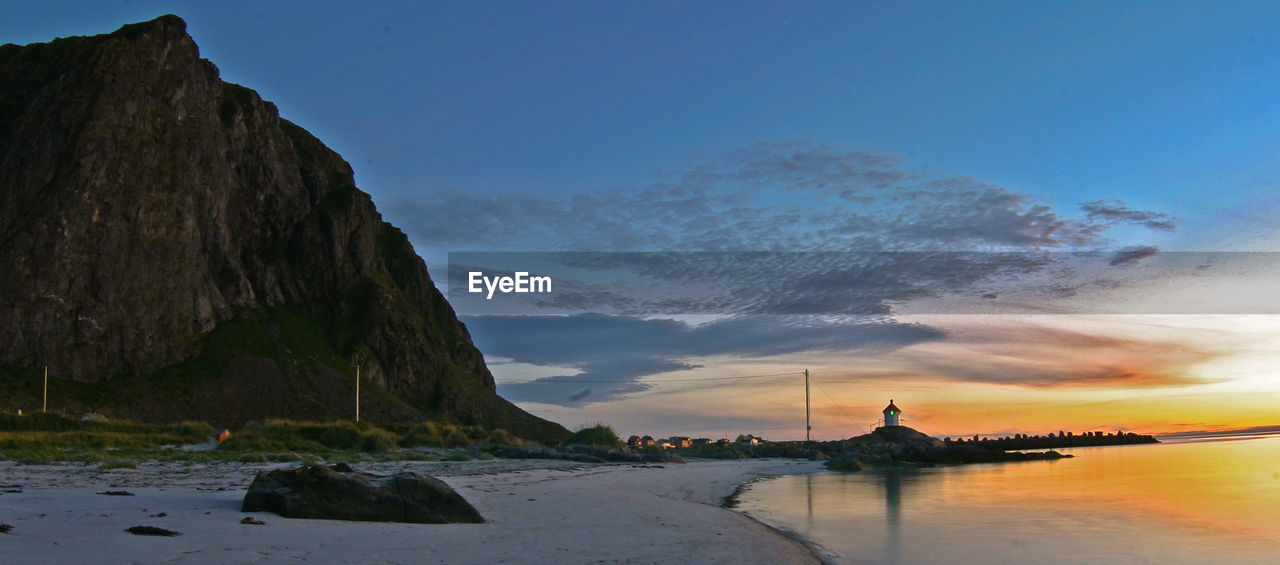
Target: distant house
891	414
633	441
664	444
748	439
680	441
702	441
648	441
223	435
723	441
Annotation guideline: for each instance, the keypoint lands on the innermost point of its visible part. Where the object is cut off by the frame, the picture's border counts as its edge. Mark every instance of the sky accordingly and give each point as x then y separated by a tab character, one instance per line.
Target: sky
1008	217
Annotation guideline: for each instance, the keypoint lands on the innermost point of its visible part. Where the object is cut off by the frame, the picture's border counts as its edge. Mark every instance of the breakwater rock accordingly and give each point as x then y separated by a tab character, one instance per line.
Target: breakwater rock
900	444
1061	439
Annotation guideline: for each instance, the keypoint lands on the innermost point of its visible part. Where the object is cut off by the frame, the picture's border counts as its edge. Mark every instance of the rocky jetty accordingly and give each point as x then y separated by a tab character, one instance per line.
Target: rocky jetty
169	237
1062	439
893	445
341	492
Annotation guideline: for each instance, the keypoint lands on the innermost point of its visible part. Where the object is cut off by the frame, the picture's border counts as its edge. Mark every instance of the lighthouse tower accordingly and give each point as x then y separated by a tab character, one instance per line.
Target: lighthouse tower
891	414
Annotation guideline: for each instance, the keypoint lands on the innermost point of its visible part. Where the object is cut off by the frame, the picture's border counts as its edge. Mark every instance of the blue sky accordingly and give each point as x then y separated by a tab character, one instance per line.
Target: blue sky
1168	104
1127	127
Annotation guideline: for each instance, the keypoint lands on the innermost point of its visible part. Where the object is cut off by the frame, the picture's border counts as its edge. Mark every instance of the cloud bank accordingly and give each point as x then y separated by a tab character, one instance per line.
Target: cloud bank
775	196
615	352
799	246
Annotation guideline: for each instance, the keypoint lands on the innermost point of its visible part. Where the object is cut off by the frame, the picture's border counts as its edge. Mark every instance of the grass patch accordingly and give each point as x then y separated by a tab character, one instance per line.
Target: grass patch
599	435
44	438
50	438
311	437
456	455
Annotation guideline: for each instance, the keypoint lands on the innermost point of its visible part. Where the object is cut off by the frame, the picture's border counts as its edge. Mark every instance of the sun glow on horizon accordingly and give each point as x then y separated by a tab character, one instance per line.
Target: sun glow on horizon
993	376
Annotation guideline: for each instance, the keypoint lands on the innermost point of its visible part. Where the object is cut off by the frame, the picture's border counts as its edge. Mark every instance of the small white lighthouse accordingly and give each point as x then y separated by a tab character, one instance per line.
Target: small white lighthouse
891	414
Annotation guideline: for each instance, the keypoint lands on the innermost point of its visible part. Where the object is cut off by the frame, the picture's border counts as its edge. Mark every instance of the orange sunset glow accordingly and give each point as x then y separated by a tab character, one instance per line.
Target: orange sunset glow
995	375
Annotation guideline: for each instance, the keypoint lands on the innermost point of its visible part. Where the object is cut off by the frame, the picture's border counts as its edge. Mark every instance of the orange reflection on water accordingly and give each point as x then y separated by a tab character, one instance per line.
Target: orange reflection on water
1228	487
1187	502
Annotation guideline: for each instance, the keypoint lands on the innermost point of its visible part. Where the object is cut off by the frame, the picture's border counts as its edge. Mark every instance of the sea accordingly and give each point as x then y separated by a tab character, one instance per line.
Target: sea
1199	500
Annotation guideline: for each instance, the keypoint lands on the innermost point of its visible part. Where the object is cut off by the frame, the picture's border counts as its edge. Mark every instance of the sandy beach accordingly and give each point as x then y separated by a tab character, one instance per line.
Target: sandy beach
536	511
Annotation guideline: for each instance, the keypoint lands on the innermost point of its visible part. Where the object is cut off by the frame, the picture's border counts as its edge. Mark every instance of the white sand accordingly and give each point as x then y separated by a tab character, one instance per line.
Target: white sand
536	512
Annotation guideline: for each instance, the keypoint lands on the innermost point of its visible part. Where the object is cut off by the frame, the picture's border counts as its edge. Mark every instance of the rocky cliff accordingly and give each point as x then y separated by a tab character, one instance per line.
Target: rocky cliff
171	248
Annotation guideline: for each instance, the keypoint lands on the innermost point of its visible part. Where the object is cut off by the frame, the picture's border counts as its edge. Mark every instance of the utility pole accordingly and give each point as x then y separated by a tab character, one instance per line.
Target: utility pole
357	394
807	427
44	403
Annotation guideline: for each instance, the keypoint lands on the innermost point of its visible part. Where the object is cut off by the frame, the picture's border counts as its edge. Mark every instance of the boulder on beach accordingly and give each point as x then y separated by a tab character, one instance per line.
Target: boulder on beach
341	492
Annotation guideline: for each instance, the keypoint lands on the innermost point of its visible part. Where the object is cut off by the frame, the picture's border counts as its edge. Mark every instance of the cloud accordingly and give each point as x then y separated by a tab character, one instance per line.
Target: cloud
615	352
1131	255
1115	211
1034	353
770	196
737	283
802	247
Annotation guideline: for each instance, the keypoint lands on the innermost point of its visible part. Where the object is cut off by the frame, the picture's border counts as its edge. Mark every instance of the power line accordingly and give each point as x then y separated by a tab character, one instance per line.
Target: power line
833	401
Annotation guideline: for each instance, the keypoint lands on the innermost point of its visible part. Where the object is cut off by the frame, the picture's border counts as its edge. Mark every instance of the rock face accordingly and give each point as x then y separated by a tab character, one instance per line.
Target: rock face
343	493
159	223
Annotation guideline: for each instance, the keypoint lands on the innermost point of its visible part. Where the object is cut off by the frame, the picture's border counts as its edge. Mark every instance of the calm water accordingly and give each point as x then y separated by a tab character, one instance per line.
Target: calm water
1204	501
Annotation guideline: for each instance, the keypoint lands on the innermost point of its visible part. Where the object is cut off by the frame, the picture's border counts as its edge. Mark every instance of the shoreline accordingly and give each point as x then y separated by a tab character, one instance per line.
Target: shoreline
535	510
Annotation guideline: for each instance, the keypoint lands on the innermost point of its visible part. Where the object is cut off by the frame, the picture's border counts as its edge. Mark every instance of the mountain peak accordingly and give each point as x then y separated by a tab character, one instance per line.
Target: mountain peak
168	24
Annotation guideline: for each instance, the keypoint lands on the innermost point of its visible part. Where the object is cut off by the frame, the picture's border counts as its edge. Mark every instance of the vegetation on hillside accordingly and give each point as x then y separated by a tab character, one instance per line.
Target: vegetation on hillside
599	435
46	438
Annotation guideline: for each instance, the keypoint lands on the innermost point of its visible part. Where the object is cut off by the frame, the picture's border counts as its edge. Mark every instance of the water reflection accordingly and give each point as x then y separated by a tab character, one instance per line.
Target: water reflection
1172	503
893	514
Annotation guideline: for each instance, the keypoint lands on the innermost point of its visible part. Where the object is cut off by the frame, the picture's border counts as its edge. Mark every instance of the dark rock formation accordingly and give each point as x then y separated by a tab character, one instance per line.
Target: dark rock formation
900	444
169	235
151	531
343	493
1086	439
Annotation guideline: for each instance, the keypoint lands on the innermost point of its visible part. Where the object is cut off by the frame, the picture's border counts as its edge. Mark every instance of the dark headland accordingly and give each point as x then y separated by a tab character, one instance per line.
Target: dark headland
173	249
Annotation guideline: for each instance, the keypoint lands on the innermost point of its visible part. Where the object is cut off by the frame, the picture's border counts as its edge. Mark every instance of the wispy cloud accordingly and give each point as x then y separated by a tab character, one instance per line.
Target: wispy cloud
615	352
778	196
1048	353
1117	212
731	283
